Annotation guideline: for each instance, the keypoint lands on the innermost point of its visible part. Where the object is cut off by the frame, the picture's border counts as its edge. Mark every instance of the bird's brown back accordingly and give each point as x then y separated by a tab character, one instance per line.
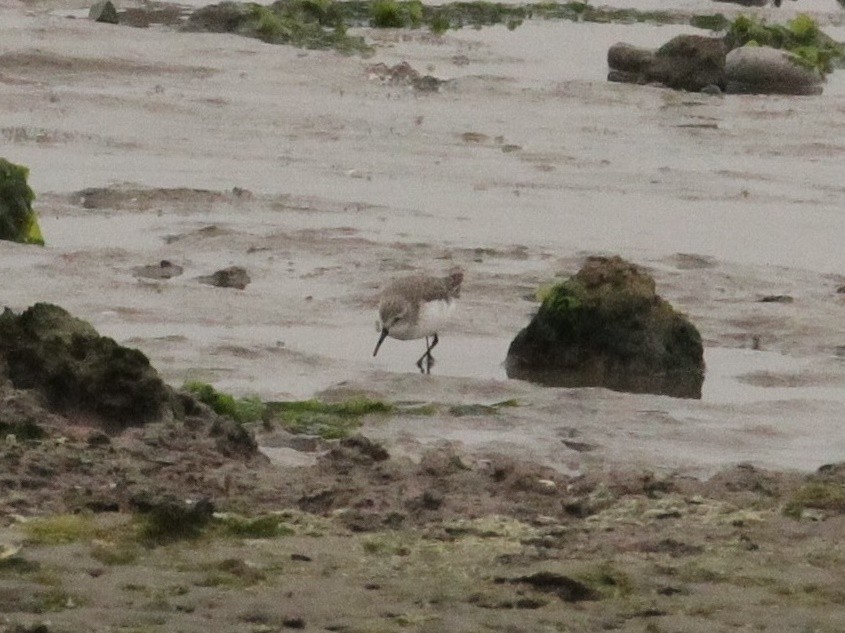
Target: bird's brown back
426	288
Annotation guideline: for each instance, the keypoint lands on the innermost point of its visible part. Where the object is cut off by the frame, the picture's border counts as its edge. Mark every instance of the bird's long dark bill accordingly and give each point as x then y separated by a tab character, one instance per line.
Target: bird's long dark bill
380	340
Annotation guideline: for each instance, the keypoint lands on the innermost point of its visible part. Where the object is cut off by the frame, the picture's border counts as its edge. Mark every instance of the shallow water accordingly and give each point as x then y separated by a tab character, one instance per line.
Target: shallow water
727	368
460	356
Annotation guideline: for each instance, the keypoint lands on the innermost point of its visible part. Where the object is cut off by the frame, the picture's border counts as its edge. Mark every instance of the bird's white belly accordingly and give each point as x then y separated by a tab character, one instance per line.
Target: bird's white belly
432	317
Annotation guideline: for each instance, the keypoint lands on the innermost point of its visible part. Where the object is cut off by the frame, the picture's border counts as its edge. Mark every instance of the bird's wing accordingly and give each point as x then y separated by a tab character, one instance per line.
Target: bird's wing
427	288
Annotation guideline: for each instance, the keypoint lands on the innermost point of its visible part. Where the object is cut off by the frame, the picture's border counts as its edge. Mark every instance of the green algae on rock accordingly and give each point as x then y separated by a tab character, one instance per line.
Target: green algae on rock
330	421
313	24
18	222
751	57
62	357
800	36
241	410
606	327
323	24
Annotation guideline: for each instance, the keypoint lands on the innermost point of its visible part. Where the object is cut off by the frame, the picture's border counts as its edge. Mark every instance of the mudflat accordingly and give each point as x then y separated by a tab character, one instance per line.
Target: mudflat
567	509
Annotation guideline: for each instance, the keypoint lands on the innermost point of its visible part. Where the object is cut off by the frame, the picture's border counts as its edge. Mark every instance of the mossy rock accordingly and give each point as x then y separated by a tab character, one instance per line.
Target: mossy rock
800	36
607	327
313	24
62	357
766	70
689	62
18	222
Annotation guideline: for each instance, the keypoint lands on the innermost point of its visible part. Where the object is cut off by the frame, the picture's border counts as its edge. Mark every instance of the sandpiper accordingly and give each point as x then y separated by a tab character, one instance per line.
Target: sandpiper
417	307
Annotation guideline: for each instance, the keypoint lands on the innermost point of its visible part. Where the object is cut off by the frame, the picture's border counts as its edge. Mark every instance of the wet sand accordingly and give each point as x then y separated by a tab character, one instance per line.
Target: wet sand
526	161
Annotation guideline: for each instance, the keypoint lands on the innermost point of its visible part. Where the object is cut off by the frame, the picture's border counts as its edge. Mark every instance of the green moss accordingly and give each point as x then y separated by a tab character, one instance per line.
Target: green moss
115	553
18	221
17	565
60	529
394	14
75	369
267	526
57	599
608	580
231	572
459	410
311	417
800	36
241	410
804	29
826	496
314	24
328	420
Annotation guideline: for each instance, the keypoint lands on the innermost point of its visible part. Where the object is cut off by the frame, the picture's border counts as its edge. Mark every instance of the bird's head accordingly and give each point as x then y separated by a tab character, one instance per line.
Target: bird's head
393	313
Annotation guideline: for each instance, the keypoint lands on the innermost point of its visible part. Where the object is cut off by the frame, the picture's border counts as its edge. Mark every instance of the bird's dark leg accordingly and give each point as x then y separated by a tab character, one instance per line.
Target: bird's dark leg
427	357
427	368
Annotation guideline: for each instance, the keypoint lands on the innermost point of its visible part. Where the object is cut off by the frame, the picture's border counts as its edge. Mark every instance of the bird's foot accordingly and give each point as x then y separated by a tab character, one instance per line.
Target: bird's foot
425	364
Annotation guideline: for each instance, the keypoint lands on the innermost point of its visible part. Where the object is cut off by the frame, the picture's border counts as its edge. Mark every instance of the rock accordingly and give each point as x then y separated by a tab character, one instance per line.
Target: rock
607	327
103	11
163	270
713	90
686	62
233	439
357	449
622	77
766	70
76	369
403	74
225	17
18	222
777	299
566	588
750	3
232	277
629	64
689	62
427	83
169	519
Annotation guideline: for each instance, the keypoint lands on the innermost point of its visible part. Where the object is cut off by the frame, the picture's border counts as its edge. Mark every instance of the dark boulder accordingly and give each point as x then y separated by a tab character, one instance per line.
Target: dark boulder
77	370
232	277
103	11
689	62
226	17
686	62
629	64
606	327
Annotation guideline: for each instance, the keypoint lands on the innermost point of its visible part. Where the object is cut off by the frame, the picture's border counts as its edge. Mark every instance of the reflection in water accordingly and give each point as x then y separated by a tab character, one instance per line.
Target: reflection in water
677	385
728	373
